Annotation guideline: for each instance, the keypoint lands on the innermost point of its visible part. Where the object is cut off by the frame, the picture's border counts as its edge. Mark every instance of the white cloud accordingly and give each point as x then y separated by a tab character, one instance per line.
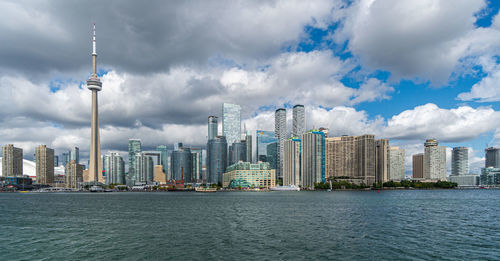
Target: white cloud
488	89
418	39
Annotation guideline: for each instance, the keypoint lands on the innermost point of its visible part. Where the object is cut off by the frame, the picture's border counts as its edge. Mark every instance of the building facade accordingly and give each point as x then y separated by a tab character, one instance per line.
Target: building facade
44	165
312	158
382	160
352	157
144	168
490	176
418	166
197	159
299	120
460	161
492	157
181	164
74	174
134	148
216	159
263	138
163	149
258	175
75	154
396	164
434	160
231	122
212	127
12	161
291	162
114	168
280	133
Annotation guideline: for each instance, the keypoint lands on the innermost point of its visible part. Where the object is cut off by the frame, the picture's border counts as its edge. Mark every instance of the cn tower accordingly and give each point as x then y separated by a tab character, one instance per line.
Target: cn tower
94	84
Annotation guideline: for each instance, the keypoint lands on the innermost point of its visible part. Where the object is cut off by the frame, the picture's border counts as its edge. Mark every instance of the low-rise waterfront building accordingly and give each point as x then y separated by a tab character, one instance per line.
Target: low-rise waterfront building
490	176
464	180
257	175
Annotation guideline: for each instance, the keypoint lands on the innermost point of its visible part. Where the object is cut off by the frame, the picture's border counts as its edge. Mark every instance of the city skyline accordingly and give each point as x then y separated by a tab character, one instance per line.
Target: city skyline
406	100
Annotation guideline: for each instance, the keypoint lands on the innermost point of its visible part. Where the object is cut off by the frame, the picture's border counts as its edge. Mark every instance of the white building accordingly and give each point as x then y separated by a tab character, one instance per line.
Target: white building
396	164
434	161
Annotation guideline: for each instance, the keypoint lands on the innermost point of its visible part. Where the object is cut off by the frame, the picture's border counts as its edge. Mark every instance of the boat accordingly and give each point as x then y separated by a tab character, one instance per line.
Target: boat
201	189
96	189
285	188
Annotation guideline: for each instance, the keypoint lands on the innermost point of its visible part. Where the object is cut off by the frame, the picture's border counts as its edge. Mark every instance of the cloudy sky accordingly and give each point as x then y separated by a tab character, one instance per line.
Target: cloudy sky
403	70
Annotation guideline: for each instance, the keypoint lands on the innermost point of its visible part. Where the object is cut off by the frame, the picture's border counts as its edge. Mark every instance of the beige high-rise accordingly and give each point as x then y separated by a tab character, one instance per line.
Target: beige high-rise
74	174
12	161
94	84
159	175
434	160
396	164
44	165
351	156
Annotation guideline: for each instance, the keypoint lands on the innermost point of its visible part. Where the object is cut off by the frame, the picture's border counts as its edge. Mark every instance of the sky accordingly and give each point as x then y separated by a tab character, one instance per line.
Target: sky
402	70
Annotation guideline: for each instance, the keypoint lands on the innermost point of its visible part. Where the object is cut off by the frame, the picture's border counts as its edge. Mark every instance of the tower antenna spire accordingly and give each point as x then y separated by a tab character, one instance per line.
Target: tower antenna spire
93	41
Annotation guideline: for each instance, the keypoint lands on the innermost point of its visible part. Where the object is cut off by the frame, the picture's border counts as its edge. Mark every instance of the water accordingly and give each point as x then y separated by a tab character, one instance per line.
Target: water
350	225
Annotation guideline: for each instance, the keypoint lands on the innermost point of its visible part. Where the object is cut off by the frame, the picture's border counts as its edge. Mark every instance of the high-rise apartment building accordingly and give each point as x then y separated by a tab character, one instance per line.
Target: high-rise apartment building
44	165
299	120
382	160
434	160
351	156
291	162
231	122
75	154
114	168
74	174
237	152
163	149
159	175
492	157
272	155
196	159
181	164
280	133
144	168
216	159
396	164
460	161
12	161
418	166
249	150
56	160
134	148
312	159
212	127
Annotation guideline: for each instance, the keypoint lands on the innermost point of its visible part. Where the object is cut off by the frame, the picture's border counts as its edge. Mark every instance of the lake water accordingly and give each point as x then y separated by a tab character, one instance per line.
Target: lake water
344	225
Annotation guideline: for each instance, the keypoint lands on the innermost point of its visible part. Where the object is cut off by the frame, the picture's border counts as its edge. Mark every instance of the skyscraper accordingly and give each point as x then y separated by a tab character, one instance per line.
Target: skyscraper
418	166
351	156
74	174
280	133
94	84
114	167
231	122
75	154
291	162
12	161
44	165
382	158
212	127
196	159
249	150
163	149
396	164
65	158
272	155
299	120
181	164
434	160
144	168
492	157
312	159
216	159
460	161
134	148
264	138
237	152
56	160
